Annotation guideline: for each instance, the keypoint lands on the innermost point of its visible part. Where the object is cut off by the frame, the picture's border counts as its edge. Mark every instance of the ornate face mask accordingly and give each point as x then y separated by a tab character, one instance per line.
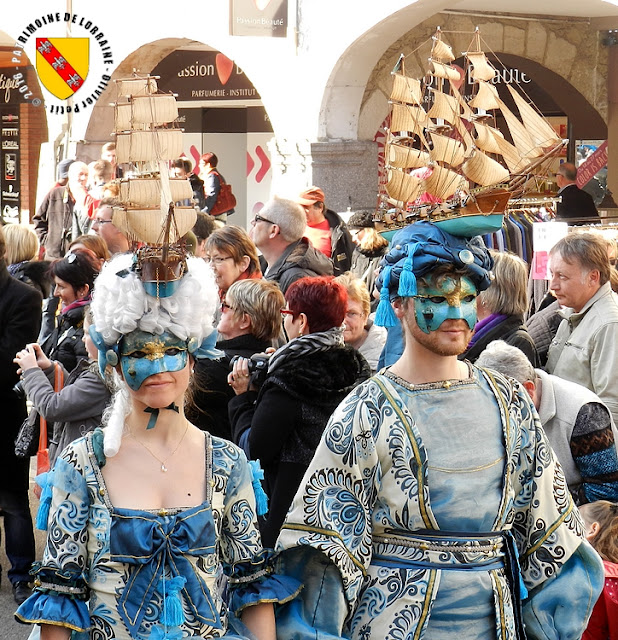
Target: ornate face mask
453	298
145	354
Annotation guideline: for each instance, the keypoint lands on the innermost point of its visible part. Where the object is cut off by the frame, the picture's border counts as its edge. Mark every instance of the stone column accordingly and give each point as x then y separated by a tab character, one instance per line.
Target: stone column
347	171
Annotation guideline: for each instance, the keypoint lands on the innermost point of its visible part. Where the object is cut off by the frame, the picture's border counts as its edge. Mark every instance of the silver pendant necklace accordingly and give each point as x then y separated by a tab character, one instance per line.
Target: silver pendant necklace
164	468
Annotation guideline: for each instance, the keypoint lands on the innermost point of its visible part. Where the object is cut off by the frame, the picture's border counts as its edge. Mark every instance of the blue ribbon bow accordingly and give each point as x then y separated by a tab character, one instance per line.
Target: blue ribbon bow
148	543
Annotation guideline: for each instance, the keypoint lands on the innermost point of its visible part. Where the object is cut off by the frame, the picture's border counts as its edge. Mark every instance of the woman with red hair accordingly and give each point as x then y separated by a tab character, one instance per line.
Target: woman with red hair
281	423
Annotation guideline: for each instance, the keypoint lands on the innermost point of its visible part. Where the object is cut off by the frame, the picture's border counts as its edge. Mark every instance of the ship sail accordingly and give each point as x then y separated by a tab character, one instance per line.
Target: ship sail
404	157
446	150
146	192
481	69
402	186
541	132
144	146
443	182
141	110
483	170
405	118
406	90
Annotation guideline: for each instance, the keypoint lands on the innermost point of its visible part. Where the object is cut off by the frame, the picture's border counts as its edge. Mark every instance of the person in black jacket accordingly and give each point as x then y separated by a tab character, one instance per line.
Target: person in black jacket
576	203
278	232
501	308
74	277
281	423
20	320
250	323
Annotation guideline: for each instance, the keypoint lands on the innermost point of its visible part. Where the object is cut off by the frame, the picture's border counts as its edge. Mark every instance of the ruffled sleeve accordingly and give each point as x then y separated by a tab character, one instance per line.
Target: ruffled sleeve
252	579
60	587
255	581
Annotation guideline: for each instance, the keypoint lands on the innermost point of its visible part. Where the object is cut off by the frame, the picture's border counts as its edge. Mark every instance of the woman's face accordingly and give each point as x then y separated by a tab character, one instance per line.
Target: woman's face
65	291
357	235
355	321
232	324
226	270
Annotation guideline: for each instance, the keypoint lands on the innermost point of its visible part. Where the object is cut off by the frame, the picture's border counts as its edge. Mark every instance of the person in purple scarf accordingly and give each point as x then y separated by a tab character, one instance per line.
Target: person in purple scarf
501	308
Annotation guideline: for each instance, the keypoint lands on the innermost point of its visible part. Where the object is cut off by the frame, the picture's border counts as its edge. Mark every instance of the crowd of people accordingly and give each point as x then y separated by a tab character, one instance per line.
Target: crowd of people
232	459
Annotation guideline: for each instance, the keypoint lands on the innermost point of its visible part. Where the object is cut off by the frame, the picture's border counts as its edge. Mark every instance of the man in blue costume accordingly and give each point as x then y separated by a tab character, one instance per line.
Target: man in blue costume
434	507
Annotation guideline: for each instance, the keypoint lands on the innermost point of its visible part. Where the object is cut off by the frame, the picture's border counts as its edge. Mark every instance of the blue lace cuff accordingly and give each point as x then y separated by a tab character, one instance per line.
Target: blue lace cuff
254	581
43	608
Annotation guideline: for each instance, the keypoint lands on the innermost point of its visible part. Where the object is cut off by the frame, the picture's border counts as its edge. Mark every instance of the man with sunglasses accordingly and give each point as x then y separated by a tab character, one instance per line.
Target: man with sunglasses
278	232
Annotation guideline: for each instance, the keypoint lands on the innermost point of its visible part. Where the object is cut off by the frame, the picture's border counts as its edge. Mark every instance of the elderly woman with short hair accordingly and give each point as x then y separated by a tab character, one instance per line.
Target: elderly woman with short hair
501	309
250	323
360	331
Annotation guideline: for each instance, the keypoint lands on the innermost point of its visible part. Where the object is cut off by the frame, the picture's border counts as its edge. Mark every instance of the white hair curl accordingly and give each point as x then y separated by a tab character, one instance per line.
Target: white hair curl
121	305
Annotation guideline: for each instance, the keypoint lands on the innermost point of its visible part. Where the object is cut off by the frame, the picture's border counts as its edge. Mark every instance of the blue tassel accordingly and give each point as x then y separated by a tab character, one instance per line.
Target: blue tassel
261	499
407	279
385	316
160	633
42	517
172	614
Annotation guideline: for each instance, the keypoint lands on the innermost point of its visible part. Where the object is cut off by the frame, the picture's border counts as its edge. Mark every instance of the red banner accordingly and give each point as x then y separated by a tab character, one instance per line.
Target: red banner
592	165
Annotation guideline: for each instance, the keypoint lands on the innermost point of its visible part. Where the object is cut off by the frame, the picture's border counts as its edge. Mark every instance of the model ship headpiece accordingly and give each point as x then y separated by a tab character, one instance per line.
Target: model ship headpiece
149	213
451	164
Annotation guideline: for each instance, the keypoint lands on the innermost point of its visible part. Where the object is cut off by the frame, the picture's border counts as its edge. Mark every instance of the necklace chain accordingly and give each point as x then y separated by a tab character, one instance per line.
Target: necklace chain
156	457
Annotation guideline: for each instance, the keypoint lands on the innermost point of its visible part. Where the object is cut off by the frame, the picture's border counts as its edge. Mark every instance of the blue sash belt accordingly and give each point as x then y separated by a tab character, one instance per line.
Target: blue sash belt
444	550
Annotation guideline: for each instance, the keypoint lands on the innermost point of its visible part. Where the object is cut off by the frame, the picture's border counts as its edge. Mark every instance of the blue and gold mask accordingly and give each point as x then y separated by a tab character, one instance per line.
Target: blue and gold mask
454	298
144	354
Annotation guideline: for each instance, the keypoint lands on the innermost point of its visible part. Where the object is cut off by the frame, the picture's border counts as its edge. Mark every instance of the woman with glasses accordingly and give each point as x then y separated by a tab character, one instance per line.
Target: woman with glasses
281	423
233	257
250	323
360	331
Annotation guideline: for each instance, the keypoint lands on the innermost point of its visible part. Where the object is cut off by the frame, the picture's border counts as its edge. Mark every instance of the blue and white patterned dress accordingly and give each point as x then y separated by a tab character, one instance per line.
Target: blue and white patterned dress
418	498
122	573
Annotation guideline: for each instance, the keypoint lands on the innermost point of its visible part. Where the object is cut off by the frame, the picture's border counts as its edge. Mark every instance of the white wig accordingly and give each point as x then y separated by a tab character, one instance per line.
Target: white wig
121	305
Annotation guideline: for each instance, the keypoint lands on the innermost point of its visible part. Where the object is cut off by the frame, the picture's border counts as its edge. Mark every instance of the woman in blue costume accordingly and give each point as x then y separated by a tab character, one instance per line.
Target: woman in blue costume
151	522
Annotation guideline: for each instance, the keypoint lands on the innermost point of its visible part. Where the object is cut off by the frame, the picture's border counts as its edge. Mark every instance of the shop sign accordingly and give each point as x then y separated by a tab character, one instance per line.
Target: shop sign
10	202
203	75
265	18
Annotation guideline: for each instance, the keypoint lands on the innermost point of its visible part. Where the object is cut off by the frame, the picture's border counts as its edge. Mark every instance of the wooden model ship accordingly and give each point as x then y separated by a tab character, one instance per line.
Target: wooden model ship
147	138
450	164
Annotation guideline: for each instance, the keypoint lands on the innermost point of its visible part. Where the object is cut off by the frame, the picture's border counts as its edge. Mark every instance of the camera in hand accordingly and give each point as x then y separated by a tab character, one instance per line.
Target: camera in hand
258	367
19	390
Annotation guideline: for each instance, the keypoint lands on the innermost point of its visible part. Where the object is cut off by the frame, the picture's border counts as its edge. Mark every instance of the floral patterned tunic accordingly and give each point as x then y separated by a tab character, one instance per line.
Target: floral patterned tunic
419	500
